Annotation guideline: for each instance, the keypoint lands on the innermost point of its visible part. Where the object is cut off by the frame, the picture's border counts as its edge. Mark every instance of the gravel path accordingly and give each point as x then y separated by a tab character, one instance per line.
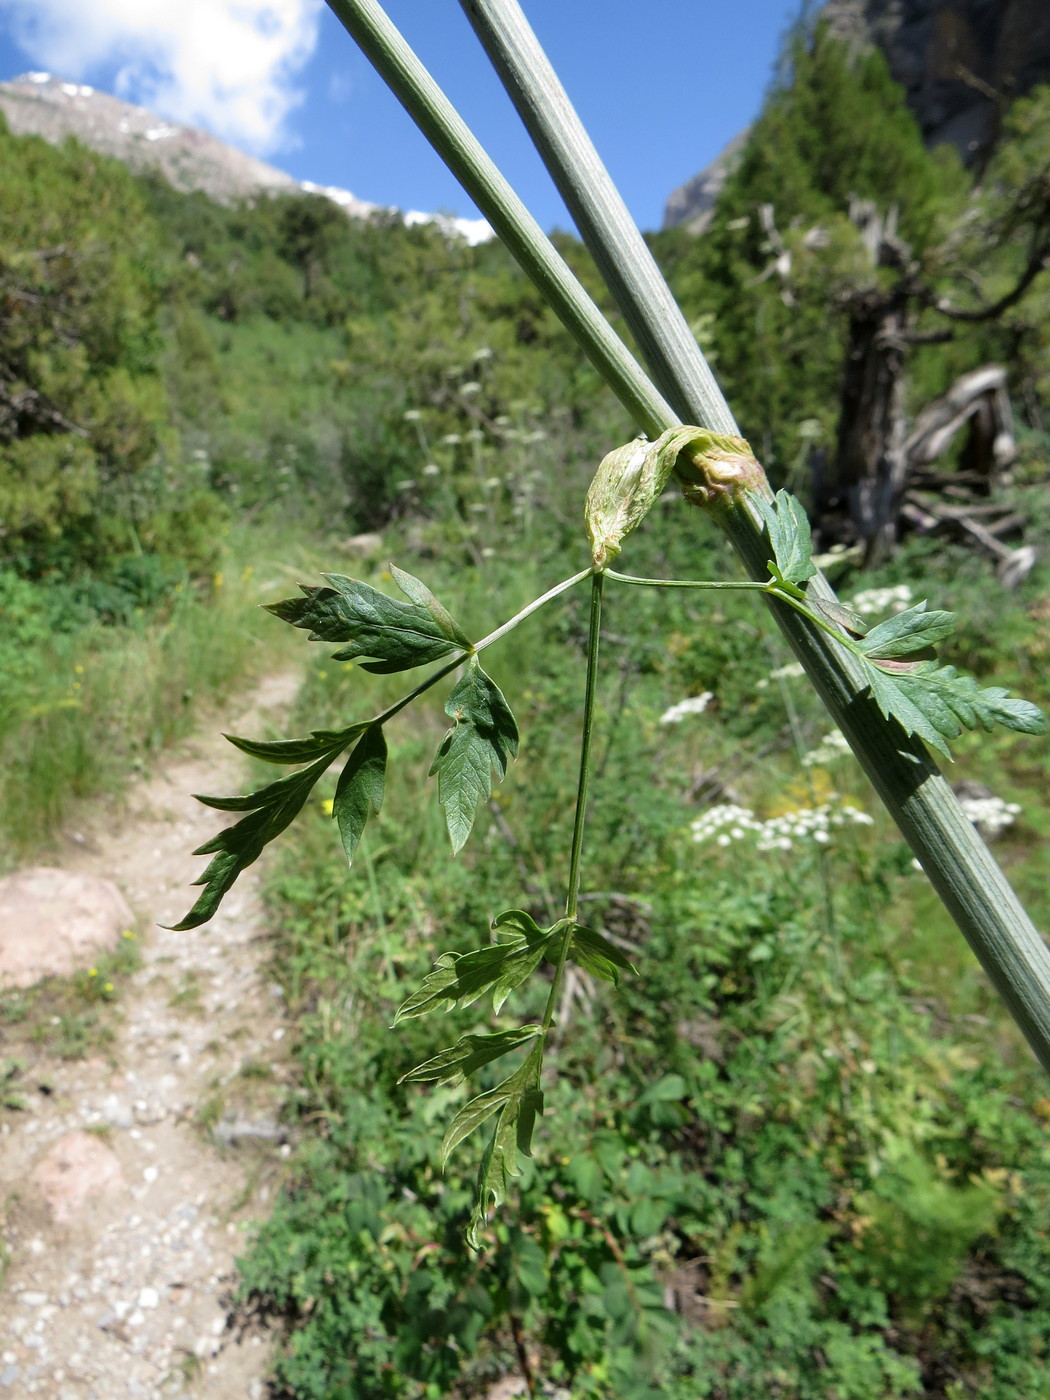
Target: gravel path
173	1125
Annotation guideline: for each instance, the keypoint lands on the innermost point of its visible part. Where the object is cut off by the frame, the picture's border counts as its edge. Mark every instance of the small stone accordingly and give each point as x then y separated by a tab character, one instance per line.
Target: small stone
150	1174
116	1114
77	1168
32	1299
148	1298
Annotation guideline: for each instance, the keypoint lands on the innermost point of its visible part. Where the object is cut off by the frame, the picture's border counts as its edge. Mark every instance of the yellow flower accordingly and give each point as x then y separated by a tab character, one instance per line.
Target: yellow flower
108	987
327	805
127	934
93	972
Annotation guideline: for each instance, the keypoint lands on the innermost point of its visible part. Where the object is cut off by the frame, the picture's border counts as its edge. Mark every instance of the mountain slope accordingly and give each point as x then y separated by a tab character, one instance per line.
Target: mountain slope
40	104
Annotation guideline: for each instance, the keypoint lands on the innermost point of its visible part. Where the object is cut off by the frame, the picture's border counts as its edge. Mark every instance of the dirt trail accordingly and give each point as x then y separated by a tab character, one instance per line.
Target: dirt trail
125	1299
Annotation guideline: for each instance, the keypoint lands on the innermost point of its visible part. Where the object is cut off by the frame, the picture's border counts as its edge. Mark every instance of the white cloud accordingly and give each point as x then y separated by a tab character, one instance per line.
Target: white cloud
228	65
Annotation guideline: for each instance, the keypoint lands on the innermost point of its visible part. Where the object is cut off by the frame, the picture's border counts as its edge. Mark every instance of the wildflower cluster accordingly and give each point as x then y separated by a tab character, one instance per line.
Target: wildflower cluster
833	745
782	673
729	823
990	814
695	705
874	601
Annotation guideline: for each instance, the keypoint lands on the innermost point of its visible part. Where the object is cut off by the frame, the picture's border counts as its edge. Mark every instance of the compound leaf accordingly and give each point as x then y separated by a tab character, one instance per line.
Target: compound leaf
359	792
398	635
468	1054
458	979
484	736
511	1136
595	954
937	702
789	534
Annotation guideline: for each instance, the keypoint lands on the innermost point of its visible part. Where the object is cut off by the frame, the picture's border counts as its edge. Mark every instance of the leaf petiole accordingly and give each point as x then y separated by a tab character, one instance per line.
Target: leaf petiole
492	637
532	607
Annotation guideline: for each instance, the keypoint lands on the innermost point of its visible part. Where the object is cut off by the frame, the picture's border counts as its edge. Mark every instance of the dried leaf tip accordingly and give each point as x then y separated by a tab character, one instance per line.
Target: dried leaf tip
720	470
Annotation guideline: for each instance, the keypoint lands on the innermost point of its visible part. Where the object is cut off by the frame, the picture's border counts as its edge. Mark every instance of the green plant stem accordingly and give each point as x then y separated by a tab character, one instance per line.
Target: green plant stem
532	607
421	688
573	892
955	859
743	584
773	589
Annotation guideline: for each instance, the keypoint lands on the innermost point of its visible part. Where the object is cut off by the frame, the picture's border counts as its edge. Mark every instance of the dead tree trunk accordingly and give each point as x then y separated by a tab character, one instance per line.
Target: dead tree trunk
868	471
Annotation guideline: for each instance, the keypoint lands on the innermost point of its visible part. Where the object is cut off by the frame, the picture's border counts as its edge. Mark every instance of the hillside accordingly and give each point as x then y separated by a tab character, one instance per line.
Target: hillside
41	104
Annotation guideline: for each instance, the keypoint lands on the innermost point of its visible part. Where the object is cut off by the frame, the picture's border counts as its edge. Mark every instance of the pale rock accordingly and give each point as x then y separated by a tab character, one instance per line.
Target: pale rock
76	1169
53	922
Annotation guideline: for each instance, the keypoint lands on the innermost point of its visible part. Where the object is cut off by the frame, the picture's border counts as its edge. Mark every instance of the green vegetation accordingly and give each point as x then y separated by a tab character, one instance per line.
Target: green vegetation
198	395
834	1175
802	1151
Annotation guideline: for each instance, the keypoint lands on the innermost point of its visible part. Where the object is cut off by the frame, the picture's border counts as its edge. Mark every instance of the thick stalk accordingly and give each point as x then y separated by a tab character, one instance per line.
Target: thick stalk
947	845
450	136
605	225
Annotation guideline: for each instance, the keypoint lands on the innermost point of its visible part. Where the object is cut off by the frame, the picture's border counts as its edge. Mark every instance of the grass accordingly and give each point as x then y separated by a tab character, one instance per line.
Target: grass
808	1104
85	710
70	1018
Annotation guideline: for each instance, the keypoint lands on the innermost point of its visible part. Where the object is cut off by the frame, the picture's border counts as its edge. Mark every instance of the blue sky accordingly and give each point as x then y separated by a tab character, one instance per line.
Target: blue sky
661	84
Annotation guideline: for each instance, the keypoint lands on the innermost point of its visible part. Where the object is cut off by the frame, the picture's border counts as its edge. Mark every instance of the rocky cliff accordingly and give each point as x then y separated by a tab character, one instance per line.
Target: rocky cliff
961	62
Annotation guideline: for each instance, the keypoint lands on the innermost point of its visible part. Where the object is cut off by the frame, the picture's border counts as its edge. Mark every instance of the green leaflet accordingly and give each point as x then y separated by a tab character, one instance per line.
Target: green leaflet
906	632
398	635
789	534
458	979
517	1101
359	792
270	810
596	955
416	590
845	618
484	736
299	750
468	1054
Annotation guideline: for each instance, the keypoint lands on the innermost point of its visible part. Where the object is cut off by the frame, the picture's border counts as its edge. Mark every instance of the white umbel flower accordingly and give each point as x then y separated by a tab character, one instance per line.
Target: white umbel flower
695	705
